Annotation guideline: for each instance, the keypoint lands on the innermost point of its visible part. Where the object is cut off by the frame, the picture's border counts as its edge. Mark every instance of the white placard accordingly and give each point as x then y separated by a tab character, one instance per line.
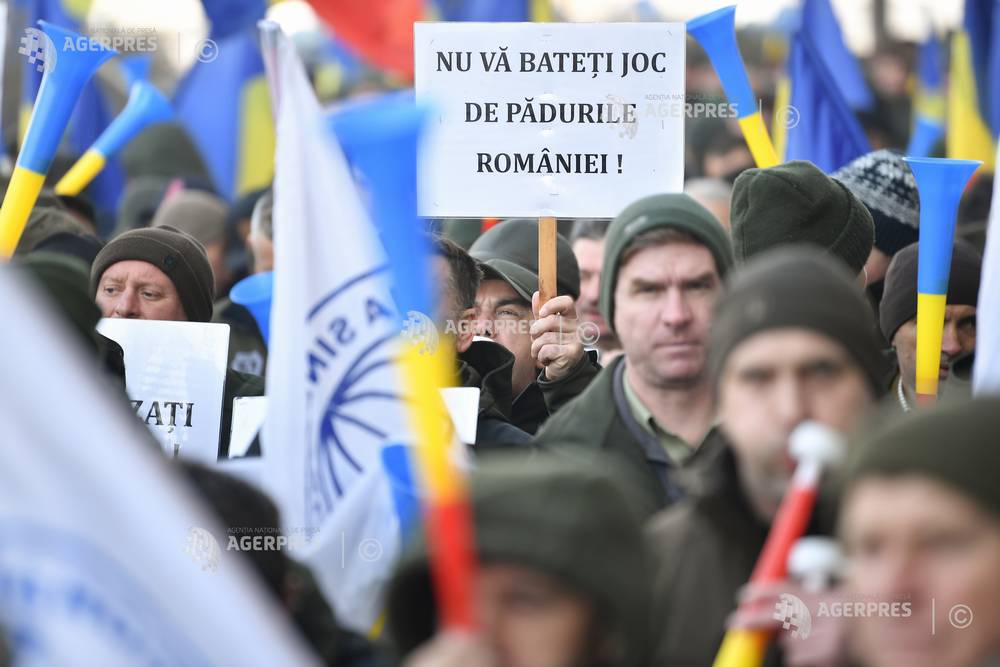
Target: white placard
248	416
463	408
549	119
174	374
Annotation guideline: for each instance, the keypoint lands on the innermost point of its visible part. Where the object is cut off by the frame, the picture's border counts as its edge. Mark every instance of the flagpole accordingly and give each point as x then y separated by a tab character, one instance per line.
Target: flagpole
269	31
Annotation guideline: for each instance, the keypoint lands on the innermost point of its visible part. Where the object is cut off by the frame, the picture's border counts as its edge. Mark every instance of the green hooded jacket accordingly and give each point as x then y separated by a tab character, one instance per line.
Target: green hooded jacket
599	419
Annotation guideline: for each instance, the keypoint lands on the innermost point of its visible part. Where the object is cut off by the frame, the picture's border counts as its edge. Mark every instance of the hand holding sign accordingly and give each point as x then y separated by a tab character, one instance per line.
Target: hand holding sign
554	340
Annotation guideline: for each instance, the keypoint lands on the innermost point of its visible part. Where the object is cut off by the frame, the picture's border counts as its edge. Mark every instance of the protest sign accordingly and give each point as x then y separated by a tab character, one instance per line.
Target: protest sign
248	417
463	408
174	376
533	120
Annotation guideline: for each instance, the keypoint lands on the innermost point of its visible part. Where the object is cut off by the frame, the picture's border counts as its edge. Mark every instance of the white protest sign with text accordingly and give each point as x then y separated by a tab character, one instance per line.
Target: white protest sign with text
174	374
549	119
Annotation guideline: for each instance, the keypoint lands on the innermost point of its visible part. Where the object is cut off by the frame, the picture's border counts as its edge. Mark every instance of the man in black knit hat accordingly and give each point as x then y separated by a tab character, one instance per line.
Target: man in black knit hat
898	320
164	274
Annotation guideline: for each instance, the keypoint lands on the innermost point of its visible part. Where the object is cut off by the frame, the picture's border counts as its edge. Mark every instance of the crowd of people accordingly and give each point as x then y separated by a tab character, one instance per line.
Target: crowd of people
632	449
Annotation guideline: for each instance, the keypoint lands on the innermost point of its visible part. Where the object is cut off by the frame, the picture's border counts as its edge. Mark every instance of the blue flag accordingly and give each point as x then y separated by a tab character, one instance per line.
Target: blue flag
826	133
820	27
489	10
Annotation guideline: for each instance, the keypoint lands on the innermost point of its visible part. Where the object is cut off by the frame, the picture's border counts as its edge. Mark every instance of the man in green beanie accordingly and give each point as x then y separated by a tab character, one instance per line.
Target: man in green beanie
793	340
920	522
665	258
550	364
898	320
562	578
797	203
164	274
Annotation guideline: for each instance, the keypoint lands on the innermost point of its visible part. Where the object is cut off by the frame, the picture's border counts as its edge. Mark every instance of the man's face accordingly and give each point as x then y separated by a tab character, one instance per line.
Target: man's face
912	539
959	338
590	256
501	314
663	309
530	620
771	383
262	250
138	290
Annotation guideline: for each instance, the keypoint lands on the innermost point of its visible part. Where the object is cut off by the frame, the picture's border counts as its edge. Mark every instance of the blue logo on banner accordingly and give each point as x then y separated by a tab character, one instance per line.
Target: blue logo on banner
353	395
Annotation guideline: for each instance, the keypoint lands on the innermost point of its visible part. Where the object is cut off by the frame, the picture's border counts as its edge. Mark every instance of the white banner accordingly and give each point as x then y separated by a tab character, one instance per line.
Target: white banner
530	119
106	558
175	374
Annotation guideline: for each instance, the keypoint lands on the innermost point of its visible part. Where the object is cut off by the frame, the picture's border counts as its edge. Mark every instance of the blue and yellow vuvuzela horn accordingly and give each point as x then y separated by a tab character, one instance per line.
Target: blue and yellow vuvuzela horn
70	60
716	33
940	183
146	105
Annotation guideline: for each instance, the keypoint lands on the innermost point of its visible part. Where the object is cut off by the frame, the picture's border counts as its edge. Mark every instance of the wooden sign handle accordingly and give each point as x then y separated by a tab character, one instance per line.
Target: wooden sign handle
546	259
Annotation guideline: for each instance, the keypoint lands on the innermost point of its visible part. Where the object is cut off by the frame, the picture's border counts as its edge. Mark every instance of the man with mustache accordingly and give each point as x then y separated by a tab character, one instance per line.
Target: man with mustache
898	318
665	257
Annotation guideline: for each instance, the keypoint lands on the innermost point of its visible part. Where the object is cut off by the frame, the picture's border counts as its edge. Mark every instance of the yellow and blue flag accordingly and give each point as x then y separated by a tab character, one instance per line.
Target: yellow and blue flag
223	103
968	131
